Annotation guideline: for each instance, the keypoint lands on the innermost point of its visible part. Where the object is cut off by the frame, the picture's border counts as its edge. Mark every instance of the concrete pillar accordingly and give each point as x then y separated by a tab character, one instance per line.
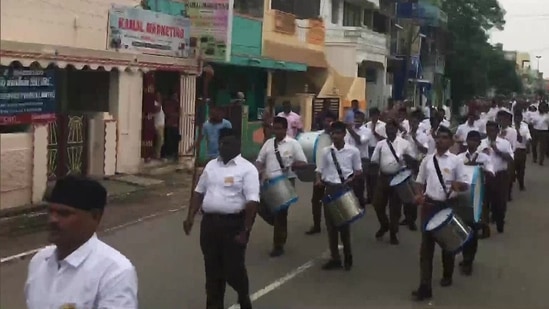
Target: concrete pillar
187	101
39	161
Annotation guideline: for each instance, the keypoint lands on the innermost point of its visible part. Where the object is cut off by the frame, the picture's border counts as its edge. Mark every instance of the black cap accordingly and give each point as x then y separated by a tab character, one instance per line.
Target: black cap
79	192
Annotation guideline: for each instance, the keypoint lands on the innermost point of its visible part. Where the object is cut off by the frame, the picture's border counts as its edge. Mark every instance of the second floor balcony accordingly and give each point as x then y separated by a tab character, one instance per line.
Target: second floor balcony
366	40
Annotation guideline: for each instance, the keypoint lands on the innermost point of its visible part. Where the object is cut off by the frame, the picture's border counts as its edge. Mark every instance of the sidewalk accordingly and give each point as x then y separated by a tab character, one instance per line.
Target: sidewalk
130	198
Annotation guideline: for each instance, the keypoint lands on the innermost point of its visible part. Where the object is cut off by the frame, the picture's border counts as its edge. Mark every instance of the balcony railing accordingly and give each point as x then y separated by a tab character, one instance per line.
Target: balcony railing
364	38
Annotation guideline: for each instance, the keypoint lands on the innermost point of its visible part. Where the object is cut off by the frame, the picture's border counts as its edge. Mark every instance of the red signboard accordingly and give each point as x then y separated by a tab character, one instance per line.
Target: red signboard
26	118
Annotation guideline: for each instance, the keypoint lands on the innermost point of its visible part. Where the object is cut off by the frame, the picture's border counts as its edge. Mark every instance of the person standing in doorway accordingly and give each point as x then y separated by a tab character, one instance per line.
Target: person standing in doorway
350	114
159	123
228	194
172	137
210	131
295	125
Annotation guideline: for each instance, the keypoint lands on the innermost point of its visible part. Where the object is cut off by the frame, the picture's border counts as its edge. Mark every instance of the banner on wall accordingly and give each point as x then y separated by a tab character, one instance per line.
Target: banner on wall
137	30
211	28
27	96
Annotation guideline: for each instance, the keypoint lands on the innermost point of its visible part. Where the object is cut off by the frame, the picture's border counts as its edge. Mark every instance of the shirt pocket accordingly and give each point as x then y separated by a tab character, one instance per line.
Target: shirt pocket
233	185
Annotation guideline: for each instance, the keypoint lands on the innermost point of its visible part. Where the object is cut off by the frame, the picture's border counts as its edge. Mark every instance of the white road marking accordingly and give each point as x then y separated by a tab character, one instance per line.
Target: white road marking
289	276
25	254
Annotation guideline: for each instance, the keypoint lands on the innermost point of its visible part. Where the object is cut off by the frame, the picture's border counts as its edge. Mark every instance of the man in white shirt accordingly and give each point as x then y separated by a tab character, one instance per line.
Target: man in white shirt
377	127
501	154
295	124
504	119
228	194
339	168
159	123
389	156
404	124
79	270
523	140
435	195
358	135
278	156
464	129
540	122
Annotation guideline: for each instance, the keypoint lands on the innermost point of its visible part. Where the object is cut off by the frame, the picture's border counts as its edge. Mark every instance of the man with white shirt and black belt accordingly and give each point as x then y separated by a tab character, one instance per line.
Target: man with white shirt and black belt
277	157
501	154
359	136
463	129
523	140
389	156
377	127
339	168
228	194
440	176
79	270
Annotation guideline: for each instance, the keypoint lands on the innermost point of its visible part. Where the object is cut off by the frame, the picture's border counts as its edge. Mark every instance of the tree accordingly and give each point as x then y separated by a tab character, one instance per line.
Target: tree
472	64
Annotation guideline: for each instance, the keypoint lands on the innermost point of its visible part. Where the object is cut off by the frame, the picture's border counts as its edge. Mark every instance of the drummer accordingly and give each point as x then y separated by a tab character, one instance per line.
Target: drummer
472	156
335	175
437	193
358	135
389	156
277	157
377	127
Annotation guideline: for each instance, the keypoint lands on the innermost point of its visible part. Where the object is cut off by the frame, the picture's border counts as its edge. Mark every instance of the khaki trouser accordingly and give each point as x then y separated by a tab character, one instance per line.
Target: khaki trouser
159	141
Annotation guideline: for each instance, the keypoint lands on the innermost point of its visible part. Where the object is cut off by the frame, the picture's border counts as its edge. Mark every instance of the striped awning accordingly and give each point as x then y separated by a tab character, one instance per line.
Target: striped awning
63	56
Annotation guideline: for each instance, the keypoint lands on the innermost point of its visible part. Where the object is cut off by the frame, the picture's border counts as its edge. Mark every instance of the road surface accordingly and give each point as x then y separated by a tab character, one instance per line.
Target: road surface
511	270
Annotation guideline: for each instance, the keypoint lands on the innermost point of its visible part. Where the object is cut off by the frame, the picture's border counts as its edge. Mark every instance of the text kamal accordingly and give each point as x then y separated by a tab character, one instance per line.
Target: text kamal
151	28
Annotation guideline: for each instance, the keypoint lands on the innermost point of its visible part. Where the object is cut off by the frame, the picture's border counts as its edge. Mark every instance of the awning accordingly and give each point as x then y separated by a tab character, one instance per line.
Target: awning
62	56
289	53
266	63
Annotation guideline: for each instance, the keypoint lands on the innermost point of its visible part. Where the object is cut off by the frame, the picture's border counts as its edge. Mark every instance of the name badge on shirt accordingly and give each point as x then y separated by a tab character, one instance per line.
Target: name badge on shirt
446	170
228	181
68	306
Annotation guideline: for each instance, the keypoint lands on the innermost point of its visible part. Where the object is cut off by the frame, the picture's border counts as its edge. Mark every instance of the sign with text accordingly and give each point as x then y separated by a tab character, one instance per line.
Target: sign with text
211	27
148	32
26	96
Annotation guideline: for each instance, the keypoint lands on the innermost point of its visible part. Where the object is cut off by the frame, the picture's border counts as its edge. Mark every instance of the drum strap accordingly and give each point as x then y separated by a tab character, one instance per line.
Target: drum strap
393	151
440	178
337	166
277	154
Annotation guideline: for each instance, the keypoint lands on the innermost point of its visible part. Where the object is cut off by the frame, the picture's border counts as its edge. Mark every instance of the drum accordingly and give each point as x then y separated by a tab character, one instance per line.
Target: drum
448	230
469	203
343	207
312	143
403	183
278	194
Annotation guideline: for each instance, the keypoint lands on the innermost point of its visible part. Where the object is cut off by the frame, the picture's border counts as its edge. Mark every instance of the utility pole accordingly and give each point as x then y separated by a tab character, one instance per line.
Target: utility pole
408	51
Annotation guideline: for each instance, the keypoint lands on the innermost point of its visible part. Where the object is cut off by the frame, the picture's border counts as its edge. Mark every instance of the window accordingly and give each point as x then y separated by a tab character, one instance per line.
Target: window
335	11
253	8
352	15
301	9
367	19
379	23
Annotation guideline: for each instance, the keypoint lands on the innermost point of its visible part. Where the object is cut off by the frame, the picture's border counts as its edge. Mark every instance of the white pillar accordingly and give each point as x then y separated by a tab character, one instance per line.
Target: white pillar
187	99
39	161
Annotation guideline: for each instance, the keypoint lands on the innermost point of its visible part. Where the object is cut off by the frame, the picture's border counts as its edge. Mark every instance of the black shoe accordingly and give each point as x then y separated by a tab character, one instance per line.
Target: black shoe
313	230
485	232
348	262
412	226
245	302
500	228
466	268
331	265
277	252
381	232
522	188
403	222
394	239
422	293
444	282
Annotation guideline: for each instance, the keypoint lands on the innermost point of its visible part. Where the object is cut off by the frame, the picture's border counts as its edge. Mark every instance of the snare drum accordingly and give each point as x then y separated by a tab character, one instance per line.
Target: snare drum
469	203
278	193
448	230
312	143
403	183
343	207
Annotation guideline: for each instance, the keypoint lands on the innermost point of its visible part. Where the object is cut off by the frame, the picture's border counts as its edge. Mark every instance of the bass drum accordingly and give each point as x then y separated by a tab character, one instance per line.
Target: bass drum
469	205
312	144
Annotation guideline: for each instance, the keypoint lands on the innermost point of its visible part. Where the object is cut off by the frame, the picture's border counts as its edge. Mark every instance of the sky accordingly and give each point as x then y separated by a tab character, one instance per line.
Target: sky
527	30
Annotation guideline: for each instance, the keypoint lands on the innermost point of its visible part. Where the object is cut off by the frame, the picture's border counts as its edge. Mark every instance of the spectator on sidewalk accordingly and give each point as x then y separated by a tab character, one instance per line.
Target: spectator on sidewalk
210	131
295	125
79	270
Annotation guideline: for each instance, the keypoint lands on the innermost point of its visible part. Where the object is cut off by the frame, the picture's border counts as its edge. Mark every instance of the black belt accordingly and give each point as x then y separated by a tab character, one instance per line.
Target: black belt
217	215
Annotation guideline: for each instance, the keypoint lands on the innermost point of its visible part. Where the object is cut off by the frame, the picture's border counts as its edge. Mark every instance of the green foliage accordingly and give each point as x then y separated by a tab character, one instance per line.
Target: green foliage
473	65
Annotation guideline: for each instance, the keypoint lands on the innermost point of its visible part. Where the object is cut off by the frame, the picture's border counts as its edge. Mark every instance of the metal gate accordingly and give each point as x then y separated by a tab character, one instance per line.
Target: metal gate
67	146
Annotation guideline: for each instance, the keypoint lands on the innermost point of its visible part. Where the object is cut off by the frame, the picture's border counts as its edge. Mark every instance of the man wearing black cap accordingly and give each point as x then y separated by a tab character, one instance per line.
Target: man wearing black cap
79	270
228	194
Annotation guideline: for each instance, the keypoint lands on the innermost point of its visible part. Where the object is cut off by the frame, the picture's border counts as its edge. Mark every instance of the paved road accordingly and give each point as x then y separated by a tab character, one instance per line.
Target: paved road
511	270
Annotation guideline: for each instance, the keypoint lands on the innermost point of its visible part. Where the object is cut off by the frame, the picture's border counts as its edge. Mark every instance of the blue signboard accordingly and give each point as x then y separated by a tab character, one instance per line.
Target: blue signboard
26	95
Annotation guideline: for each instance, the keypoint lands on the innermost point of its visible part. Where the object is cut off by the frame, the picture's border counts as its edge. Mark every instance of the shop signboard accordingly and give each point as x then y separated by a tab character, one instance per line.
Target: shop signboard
27	95
143	31
211	28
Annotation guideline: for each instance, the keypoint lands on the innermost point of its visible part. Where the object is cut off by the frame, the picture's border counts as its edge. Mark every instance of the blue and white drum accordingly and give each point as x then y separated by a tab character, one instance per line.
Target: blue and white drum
312	143
343	207
278	194
448	230
403	183
469	204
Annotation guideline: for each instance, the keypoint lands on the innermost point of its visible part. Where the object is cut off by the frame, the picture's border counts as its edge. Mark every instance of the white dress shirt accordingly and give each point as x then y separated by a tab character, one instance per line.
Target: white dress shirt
290	151
349	161
228	187
405	124
478	157
422	139
504	146
463	130
94	276
445	123
384	157
524	132
451	168
365	135
425	126
540	121
380	129
492	113
510	134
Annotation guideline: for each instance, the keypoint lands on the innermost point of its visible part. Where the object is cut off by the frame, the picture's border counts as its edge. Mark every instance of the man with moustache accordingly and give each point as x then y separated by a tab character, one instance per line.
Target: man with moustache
79	270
